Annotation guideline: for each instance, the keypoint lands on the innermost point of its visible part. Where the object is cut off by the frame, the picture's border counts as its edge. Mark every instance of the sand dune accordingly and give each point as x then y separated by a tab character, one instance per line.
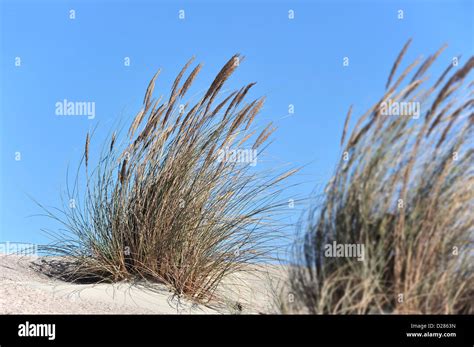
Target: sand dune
24	290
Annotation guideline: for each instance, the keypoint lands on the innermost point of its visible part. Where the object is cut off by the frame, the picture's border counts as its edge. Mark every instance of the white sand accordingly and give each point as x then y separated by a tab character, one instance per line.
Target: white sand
26	291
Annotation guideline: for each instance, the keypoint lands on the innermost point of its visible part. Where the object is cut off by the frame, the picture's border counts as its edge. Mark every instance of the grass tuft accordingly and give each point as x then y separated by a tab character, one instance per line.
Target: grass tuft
406	193
164	205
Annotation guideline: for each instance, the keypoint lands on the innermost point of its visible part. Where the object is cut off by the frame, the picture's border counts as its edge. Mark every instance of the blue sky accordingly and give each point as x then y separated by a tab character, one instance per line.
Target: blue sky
295	62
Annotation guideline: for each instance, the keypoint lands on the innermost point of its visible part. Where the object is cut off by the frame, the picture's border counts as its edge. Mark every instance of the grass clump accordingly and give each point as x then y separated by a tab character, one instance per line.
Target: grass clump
166	204
404	189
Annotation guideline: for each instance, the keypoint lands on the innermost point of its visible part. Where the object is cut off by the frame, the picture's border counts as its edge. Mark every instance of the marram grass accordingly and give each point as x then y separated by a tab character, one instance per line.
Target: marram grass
162	207
404	188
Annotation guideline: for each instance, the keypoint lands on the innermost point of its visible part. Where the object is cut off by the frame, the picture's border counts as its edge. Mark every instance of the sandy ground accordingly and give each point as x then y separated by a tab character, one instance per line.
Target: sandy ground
24	290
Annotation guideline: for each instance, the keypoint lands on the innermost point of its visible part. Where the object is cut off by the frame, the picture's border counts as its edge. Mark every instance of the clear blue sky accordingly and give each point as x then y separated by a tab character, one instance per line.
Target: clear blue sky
295	62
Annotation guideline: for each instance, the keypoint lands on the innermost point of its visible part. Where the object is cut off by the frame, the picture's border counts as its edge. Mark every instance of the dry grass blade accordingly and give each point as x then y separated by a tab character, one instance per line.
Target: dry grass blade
456	77
112	141
426	65
136	122
190	80
149	90
86	149
397	62
222	76
264	135
346	124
